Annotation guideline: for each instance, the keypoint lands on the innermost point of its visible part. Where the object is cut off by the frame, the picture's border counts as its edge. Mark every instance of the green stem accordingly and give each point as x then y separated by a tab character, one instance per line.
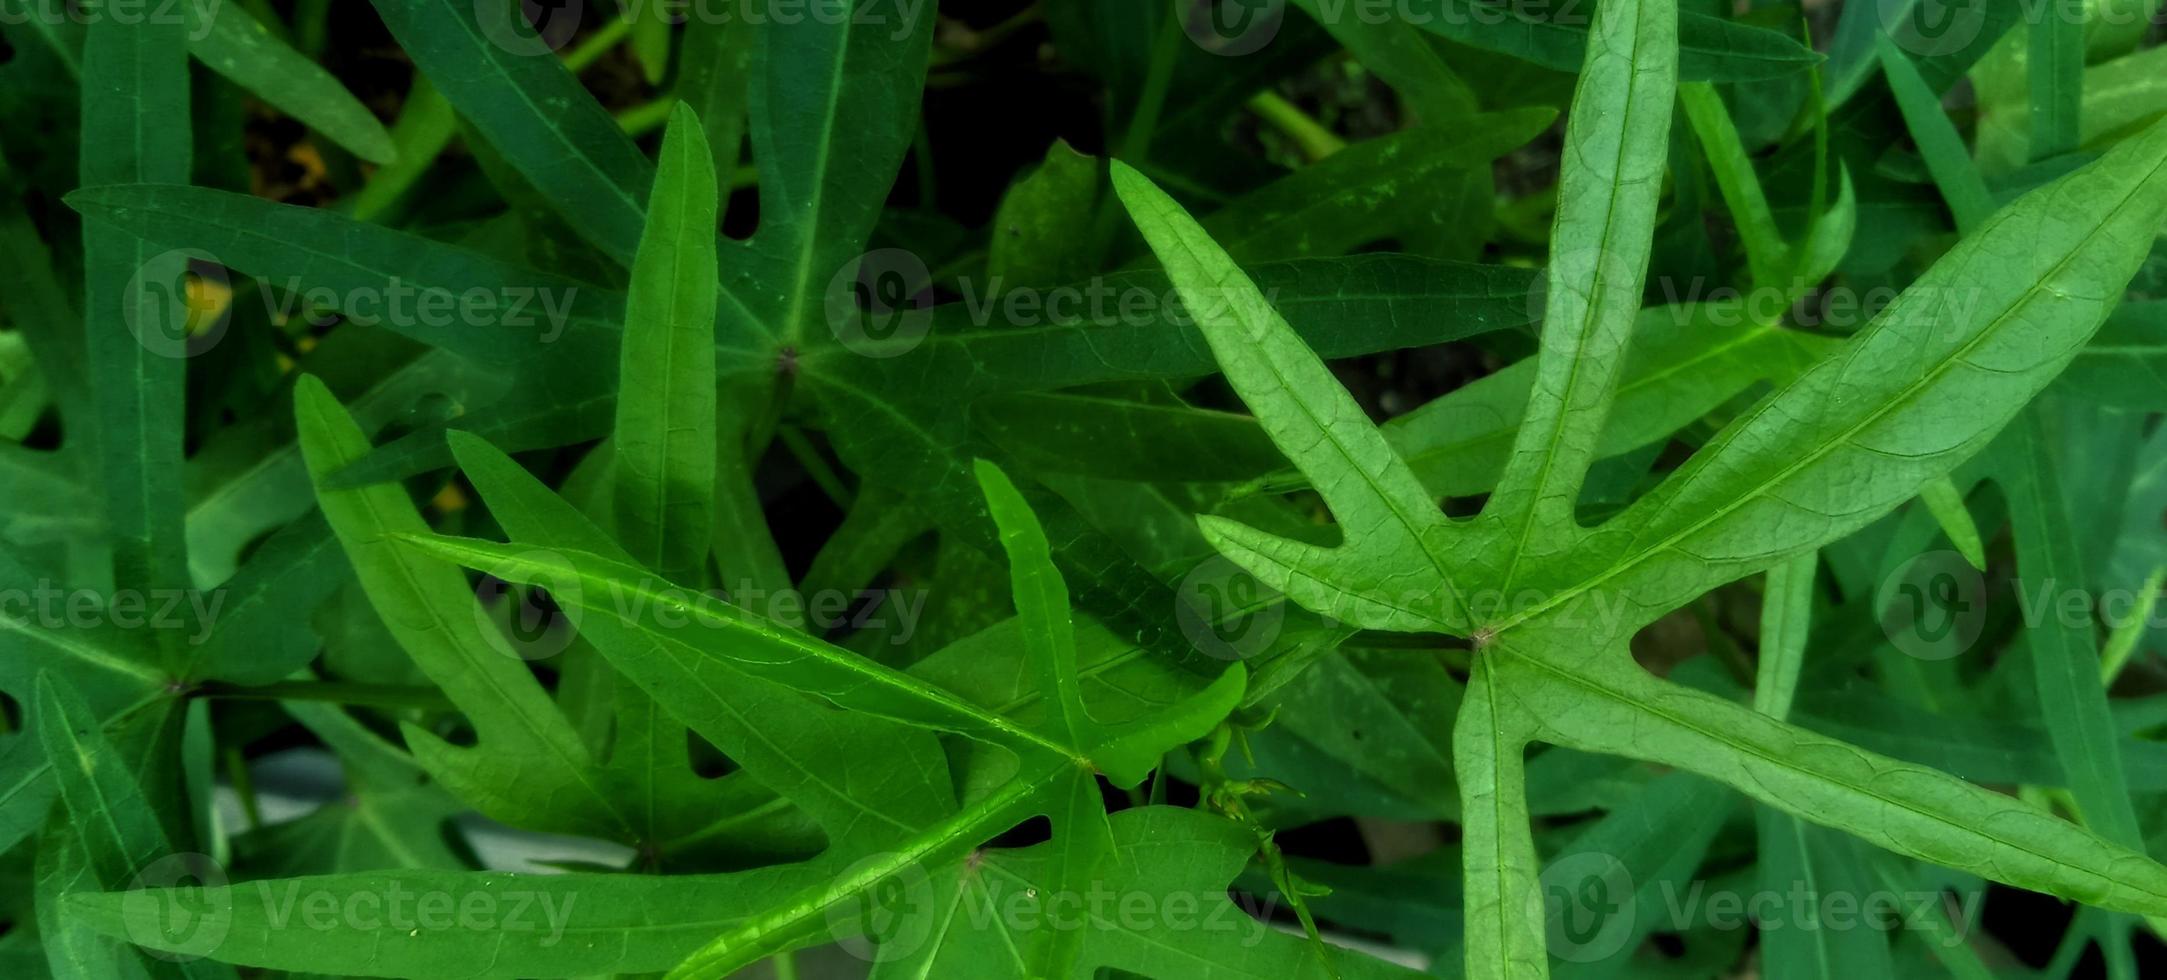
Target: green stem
591	48
2123	641
1316	141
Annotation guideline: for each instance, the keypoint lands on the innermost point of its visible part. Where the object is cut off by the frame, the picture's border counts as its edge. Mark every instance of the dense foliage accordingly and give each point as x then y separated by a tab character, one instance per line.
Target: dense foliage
1134	487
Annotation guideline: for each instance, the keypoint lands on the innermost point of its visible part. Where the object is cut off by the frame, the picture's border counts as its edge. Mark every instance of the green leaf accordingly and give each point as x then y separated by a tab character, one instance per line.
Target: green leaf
1504	907
833	105
1042	609
1615	147
604	588
1711	48
1766	252
424	129
1946	503
1924	386
503	79
651	45
712	78
1928	383
231	42
1373	190
2056	55
1037	231
1314	422
1786	617
136	309
121	834
393	817
2124	363
555	925
259	632
1900	807
1947	159
1681	363
529	767
2064	654
1176	864
665	431
1114	438
377	276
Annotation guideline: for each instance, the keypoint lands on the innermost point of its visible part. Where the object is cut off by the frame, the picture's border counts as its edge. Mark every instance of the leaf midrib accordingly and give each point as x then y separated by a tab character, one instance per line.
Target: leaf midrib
1746	750
1903	398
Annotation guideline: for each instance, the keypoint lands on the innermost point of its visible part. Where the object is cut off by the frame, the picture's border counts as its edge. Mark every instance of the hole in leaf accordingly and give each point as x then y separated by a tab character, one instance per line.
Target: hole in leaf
708	762
1036	830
